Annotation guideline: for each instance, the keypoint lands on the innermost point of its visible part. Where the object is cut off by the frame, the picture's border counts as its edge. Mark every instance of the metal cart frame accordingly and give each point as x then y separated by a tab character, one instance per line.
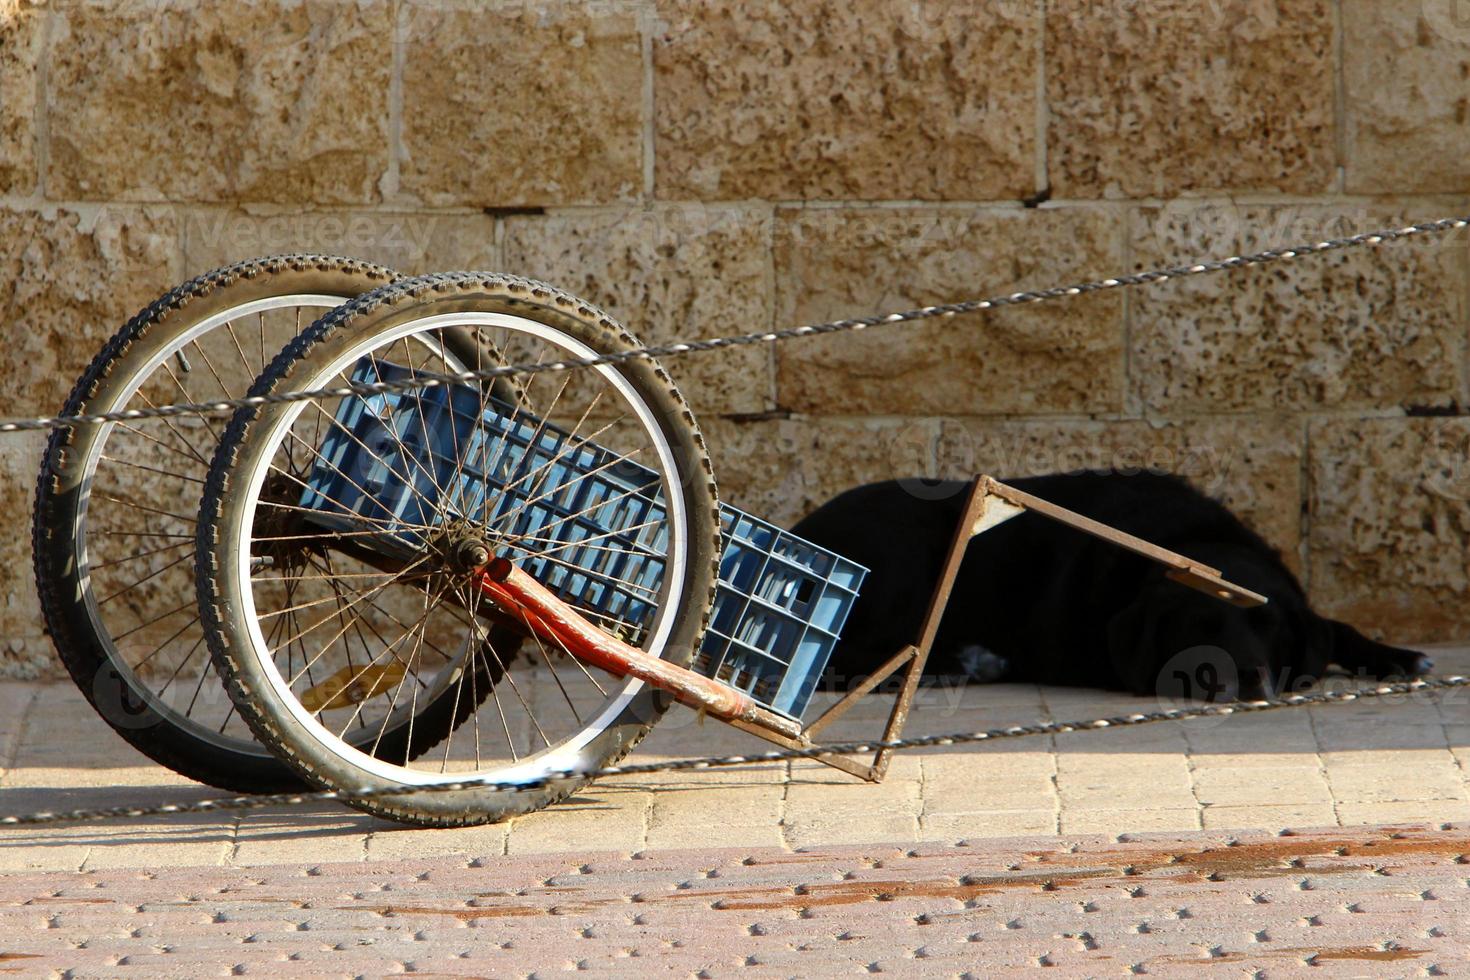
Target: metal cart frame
988	504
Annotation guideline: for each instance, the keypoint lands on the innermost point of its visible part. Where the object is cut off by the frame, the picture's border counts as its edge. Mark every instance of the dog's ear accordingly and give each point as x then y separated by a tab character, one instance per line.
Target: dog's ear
1131	645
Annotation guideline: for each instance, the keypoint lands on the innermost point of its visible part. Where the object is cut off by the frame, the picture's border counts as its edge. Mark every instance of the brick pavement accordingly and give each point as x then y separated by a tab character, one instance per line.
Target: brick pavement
1102	853
1350	902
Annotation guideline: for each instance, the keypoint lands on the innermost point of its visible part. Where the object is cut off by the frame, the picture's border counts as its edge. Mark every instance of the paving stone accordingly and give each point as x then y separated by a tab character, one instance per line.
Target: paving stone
591	825
16	701
804	828
1261	785
970	792
812	101
1404	65
388	842
749	816
168	840
336	834
762	834
987	823
1135	748
850	262
1402	811
1337	333
554	119
1117	781
1081	821
294	101
1268	816
1208	758
1163	785
668	274
1187	98
1381	784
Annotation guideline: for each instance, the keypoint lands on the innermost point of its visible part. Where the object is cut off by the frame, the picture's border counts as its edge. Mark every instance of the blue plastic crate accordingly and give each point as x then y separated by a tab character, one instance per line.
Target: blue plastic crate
390	459
780	606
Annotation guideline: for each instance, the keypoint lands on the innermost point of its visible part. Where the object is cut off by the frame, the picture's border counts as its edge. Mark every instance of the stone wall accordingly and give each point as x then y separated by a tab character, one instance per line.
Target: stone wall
708	166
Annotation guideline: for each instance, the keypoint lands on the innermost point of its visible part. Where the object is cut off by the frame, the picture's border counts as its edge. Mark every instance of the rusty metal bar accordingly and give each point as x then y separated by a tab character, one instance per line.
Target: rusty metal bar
509	586
860	770
852	697
1186	571
973	520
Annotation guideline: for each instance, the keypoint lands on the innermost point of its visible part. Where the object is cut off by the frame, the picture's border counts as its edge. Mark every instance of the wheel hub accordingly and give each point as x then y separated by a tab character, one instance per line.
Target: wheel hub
461	547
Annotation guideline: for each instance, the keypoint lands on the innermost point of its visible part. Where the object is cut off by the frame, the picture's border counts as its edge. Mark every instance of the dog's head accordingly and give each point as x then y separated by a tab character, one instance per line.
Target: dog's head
1183	645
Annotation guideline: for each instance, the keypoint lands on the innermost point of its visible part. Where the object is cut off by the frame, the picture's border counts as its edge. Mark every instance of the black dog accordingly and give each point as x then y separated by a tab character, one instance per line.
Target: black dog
1038	601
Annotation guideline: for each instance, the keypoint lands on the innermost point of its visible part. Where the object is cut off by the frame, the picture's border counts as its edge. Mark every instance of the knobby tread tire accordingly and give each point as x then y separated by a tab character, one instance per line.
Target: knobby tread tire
58	495
407	299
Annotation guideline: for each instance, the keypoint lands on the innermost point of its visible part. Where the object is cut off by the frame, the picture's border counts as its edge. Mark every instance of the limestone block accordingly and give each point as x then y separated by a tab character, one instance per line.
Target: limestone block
1390	525
1252	465
538	103
1066	357
1406	75
68	281
866	100
412	242
781	469
1156	98
25	650
20	36
1371	327
668	274
247	101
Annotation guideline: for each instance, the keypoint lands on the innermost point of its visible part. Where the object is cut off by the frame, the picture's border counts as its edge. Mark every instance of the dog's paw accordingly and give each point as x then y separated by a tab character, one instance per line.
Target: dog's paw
980	665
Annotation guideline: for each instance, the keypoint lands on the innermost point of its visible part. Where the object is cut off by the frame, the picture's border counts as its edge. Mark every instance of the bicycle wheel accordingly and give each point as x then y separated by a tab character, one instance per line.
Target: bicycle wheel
595	481
114	521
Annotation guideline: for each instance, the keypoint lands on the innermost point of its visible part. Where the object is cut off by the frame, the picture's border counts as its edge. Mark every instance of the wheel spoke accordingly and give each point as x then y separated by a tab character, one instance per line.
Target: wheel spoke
165	446
188	399
418	398
150	510
191	604
152	469
156	650
555	676
168	423
146	578
140	554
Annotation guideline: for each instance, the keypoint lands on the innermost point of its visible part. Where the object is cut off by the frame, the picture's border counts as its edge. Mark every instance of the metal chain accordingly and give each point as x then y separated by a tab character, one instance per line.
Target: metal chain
229	406
261	801
676	349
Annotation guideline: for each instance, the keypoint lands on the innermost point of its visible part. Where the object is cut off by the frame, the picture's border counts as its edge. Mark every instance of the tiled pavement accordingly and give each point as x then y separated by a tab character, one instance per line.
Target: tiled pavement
1349	765
790	831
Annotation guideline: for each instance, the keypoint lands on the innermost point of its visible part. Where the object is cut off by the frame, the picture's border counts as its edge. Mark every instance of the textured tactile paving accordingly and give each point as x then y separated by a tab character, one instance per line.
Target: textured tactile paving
1362	901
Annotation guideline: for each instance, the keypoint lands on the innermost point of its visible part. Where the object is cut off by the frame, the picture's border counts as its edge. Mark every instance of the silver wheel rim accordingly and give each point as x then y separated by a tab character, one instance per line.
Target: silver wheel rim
570	753
79	531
